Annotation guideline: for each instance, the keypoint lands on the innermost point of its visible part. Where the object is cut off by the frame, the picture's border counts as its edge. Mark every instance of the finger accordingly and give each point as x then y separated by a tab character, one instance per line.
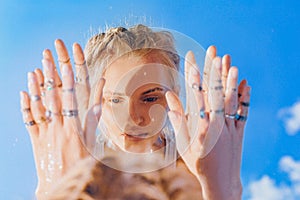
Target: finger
28	120
243	109
62	53
216	102
40	78
231	97
82	86
93	116
69	102
178	122
226	63
30	124
210	55
215	92
36	105
242	84
188	62
48	56
52	98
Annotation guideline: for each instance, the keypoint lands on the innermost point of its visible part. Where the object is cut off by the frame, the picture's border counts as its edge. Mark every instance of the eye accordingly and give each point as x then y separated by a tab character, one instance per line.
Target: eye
150	99
115	100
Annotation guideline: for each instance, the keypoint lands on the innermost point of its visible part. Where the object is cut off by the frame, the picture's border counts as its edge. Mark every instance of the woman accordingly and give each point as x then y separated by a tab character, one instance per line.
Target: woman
211	139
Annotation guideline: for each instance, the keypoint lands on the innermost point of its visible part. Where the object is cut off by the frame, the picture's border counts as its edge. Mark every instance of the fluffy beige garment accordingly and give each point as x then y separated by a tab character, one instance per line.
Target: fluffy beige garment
91	179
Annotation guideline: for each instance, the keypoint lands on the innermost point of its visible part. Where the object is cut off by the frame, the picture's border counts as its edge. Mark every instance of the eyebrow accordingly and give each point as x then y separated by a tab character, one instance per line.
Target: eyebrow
146	92
153	90
114	93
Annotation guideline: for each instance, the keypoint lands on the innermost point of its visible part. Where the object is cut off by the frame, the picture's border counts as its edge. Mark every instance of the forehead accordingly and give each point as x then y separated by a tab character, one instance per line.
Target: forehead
127	74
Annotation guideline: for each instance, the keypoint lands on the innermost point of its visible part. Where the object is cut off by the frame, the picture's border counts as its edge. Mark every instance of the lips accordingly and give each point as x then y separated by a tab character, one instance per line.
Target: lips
135	136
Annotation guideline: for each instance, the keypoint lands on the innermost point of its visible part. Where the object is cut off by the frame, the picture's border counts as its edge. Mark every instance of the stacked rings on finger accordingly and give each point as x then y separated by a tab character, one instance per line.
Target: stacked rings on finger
70	113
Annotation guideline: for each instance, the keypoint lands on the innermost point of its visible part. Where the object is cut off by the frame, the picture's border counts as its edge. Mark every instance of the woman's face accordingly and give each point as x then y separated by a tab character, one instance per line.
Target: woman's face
134	104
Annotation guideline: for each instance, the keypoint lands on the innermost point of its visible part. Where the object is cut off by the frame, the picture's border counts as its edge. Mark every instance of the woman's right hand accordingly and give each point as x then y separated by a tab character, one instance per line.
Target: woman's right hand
50	113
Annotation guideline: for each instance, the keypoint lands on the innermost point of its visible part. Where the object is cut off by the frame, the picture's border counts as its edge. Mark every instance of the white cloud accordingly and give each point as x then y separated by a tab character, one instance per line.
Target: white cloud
267	189
291	118
290	166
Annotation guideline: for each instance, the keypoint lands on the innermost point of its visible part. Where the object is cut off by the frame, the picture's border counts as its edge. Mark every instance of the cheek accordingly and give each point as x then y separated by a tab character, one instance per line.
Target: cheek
157	114
115	117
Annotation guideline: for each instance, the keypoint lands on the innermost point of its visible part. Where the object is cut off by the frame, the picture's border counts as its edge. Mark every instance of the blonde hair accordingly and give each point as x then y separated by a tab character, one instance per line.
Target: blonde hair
90	180
102	49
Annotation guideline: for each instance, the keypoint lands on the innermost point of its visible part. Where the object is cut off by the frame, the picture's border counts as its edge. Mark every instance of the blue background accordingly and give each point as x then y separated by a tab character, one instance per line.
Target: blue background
261	36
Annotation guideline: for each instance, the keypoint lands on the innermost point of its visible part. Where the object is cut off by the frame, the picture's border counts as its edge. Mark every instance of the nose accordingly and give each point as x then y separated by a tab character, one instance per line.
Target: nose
137	114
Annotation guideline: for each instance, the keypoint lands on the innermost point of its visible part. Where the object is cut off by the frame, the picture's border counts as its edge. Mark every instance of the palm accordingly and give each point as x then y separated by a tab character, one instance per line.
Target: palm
210	143
51	114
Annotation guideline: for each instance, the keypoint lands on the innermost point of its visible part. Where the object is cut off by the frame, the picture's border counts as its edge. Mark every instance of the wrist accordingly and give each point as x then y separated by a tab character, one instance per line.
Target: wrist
219	189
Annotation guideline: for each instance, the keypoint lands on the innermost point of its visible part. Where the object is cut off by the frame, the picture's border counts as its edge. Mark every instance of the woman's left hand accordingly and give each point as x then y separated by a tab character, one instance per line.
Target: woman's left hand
209	138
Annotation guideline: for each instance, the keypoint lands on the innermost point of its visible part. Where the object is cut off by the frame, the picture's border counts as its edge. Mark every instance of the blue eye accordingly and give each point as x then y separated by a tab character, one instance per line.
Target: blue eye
150	99
115	100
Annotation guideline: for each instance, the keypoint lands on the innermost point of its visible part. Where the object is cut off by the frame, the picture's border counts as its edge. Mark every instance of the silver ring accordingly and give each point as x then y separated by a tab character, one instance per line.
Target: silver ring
84	63
202	113
26	109
240	118
196	86
70	113
245	104
41	120
79	79
50	84
64	61
30	123
220	87
35	98
49	114
219	111
70	90
230	116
